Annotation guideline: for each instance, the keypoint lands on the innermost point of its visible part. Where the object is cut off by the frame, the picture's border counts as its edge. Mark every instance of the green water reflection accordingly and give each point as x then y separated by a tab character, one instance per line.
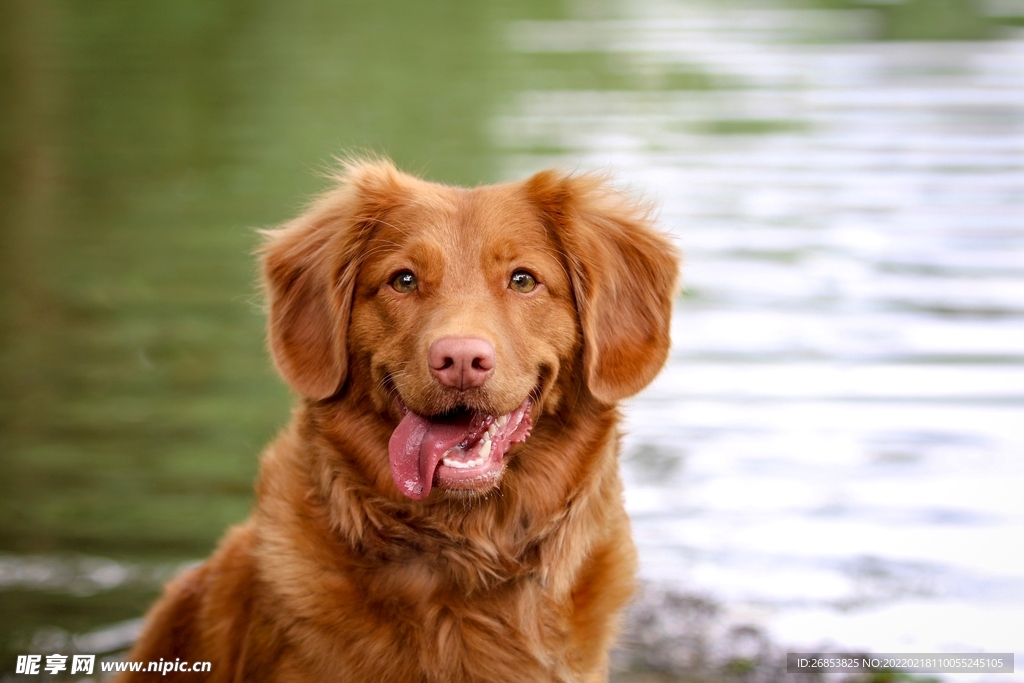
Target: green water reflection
140	144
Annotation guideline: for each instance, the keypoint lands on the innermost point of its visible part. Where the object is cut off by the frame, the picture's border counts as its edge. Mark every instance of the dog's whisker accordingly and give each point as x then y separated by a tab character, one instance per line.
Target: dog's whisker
378	219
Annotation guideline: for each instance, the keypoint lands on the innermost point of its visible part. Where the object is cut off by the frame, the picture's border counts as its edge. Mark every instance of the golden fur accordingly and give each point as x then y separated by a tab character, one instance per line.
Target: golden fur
339	576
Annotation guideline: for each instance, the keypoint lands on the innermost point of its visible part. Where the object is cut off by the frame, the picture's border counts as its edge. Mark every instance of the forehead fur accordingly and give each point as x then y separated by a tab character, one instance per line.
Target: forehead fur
435	224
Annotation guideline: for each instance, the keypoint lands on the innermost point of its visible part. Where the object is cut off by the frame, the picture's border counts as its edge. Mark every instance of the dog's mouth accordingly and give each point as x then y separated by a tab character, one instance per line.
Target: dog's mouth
460	450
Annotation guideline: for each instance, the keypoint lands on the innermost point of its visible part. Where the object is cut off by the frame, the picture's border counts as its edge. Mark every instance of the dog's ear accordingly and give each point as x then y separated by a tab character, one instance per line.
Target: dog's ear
624	276
309	271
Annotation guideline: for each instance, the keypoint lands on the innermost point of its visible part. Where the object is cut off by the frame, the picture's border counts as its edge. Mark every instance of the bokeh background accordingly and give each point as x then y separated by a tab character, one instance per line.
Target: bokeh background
833	457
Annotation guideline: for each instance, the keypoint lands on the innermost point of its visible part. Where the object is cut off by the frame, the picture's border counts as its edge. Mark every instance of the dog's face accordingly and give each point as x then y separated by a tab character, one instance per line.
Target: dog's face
461	322
466	315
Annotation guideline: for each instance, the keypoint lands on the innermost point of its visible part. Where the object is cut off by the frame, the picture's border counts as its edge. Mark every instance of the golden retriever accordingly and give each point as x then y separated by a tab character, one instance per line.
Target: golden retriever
446	504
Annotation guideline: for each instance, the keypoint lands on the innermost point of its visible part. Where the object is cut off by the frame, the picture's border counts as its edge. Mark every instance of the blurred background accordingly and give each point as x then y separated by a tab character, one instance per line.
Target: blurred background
831	458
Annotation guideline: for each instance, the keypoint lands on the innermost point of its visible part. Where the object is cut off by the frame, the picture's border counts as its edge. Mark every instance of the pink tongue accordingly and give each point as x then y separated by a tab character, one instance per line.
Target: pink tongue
416	446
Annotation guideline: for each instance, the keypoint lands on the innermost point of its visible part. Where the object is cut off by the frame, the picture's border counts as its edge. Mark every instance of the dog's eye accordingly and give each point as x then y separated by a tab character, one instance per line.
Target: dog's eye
522	282
404	282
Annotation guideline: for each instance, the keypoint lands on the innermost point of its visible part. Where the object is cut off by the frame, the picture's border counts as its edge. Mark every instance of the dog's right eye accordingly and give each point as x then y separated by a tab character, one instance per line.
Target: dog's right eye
404	282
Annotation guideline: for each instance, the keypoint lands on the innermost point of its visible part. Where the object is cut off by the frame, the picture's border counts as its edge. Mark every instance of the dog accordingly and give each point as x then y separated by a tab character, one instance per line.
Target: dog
446	504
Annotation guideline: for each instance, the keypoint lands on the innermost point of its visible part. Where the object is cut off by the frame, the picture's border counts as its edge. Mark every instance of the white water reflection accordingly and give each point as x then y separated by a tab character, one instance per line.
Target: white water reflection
835	450
82	576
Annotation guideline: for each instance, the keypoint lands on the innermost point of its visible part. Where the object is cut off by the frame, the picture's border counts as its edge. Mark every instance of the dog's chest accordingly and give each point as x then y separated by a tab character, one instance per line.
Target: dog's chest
512	632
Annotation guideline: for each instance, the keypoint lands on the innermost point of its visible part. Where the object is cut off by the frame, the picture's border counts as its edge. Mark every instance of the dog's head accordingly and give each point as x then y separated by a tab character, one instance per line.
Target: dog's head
465	316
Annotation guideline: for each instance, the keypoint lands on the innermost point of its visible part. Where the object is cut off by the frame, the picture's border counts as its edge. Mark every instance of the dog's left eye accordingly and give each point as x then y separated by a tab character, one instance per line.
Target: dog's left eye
521	281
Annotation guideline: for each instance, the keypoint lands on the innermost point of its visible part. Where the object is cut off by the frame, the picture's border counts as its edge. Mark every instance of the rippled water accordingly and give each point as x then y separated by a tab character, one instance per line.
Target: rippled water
836	449
832	457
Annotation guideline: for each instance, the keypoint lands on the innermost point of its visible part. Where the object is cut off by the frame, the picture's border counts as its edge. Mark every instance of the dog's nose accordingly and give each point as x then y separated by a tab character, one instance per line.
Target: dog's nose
461	362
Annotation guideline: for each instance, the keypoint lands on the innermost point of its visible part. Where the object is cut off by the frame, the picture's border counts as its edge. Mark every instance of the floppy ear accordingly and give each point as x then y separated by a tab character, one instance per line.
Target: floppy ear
309	272
624	275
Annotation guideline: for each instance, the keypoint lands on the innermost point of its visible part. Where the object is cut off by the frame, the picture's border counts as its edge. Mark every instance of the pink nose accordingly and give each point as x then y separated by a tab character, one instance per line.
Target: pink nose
461	362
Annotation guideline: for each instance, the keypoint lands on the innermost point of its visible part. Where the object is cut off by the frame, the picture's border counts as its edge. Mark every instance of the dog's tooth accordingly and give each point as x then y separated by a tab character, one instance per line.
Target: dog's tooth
502	420
485	450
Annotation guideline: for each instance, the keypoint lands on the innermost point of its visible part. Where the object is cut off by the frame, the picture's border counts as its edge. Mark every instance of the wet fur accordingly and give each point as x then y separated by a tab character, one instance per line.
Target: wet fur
336	575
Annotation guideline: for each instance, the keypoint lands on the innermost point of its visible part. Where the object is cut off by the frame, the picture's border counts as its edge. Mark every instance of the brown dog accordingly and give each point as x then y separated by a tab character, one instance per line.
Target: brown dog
446	504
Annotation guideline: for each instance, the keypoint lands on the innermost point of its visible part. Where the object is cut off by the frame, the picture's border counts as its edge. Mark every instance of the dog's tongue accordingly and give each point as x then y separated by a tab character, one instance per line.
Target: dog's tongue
416	446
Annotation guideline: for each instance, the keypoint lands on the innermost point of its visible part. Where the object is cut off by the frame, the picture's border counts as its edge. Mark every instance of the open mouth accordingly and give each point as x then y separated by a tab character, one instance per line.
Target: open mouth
460	450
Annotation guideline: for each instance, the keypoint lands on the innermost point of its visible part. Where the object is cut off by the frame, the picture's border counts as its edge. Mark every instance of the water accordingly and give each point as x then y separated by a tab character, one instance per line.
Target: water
833	454
834	451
